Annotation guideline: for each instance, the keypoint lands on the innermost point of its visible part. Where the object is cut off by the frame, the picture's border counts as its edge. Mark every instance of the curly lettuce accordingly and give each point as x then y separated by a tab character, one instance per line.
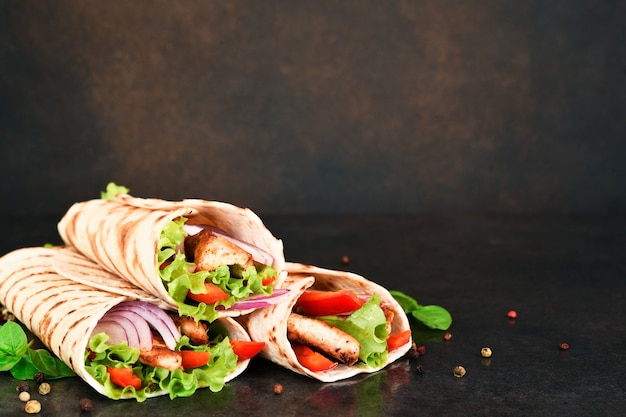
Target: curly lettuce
368	326
178	383
174	271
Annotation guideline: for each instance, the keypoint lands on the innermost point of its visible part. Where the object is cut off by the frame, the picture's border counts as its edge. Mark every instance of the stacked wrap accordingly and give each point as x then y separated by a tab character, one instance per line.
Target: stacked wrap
63	312
122	236
269	325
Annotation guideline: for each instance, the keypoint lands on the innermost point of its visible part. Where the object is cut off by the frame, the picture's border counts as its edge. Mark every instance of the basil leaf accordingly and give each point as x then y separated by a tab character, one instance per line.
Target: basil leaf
408	304
13	340
24	369
23	362
51	367
435	317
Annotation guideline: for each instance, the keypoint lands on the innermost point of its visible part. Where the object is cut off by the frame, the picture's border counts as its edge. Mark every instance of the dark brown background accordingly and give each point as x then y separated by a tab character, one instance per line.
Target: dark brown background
314	107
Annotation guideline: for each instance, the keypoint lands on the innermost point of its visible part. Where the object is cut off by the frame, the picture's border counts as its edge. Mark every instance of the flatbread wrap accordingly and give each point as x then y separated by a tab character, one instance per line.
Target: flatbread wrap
123	346
334	325
208	259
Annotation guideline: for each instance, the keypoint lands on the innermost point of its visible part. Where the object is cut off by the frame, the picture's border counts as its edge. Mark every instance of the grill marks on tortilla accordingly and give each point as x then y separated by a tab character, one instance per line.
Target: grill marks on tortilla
59	311
74	266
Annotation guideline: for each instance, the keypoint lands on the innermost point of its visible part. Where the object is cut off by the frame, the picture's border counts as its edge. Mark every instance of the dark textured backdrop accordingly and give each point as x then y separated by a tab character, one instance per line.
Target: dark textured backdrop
320	106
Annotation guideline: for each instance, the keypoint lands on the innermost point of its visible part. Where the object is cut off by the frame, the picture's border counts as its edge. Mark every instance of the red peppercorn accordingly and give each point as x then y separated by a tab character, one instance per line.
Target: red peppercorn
512	314
421	350
447	336
564	346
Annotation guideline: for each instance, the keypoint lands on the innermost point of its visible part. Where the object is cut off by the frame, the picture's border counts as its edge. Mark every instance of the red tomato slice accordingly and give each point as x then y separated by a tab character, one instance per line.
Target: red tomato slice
246	350
312	360
328	303
193	359
212	296
124	377
267	281
394	341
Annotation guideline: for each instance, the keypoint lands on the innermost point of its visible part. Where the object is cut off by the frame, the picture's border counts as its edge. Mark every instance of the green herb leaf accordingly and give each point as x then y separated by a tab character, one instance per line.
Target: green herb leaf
23	362
13	345
433	316
24	369
51	366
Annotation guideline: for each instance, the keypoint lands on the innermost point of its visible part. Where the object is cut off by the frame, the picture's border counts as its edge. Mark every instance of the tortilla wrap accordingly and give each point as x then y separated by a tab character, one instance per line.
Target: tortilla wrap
63	313
269	325
122	235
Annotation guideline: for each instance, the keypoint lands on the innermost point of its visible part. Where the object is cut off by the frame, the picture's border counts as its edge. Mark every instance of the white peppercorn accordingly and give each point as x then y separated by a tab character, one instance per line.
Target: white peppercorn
459	371
32	407
24	396
485	352
44	388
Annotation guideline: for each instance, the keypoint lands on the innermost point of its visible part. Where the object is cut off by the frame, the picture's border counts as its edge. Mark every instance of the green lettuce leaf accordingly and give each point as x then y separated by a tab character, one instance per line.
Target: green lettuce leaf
178	383
368	325
112	190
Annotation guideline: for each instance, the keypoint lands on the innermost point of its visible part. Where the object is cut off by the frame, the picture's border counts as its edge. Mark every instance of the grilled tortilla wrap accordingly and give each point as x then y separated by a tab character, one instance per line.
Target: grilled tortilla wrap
124	236
63	314
272	325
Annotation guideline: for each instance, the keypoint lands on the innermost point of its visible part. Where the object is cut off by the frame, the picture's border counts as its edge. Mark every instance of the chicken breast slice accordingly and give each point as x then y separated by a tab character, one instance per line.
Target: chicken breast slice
323	337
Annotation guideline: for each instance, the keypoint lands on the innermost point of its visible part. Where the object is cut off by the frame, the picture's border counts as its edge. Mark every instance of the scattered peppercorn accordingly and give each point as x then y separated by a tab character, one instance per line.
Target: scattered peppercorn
345	260
24	396
39	377
44	388
512	314
32	407
23	387
421	350
278	389
447	336
459	371
564	346
85	405
485	352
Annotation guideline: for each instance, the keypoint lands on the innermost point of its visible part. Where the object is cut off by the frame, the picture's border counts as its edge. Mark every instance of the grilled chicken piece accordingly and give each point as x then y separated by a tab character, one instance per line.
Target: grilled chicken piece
195	331
160	356
389	315
208	251
323	337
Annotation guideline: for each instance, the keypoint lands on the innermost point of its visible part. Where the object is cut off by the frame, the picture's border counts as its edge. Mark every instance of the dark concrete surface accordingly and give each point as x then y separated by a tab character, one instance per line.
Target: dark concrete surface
564	275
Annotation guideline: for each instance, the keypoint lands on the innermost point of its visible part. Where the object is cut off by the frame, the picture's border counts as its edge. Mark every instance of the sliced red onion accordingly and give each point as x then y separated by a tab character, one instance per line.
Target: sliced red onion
259	255
156	318
143	339
114	329
260	301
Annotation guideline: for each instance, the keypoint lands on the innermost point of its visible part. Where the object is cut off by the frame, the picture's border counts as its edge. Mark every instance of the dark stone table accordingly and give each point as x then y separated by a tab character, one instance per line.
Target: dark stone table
564	275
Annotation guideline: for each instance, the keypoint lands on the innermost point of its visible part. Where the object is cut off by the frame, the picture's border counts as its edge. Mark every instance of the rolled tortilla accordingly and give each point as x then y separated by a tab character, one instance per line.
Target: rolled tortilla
122	236
269	325
63	313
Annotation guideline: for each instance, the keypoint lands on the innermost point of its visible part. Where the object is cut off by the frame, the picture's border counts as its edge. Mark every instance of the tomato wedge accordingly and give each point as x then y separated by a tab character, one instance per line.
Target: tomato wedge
312	360
193	359
394	341
267	281
124	377
246	350
328	303
213	294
